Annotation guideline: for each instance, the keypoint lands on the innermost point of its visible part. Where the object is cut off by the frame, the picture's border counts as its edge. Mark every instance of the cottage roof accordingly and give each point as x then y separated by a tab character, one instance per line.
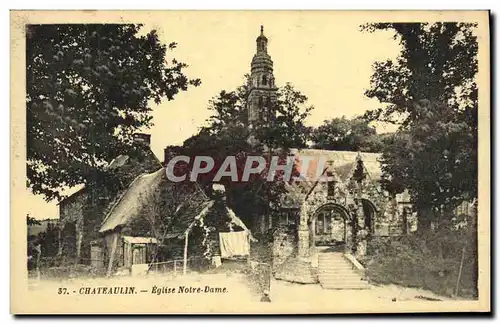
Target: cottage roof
186	220
130	204
192	209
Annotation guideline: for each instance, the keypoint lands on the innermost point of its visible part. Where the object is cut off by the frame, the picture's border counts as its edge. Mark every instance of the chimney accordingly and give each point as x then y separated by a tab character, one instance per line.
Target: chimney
144	139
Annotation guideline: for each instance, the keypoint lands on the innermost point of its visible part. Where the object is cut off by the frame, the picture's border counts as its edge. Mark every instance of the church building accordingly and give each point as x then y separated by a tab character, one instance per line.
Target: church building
339	215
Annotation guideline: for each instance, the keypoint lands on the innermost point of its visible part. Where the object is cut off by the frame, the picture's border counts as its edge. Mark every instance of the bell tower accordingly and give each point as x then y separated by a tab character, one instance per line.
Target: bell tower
262	89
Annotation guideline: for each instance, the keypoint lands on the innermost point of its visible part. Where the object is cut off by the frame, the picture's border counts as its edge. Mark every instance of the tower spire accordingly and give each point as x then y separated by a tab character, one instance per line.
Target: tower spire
262	90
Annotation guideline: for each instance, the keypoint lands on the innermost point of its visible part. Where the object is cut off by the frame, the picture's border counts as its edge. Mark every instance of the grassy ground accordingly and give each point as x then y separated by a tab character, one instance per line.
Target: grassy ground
431	263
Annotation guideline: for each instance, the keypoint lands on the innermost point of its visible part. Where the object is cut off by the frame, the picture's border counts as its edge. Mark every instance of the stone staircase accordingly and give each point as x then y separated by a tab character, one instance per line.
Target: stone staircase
336	272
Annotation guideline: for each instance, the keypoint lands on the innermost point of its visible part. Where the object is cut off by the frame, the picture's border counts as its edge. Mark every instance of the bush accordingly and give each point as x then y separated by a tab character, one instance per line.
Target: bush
71	272
430	261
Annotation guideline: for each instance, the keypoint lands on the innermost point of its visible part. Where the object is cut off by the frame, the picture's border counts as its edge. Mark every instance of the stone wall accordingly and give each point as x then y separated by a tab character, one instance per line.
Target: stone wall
71	210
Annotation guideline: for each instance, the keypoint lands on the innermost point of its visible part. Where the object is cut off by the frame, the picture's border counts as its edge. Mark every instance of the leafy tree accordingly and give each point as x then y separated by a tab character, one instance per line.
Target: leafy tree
32	221
162	209
431	92
347	135
227	134
88	90
434	160
285	130
49	240
438	62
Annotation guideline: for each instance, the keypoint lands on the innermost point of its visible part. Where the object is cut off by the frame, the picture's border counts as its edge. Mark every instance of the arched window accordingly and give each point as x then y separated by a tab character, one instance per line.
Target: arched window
264	80
265	109
260	107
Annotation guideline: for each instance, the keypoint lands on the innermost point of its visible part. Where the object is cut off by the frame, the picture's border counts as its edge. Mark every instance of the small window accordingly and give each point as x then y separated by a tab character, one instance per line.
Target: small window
331	186
323	224
264	80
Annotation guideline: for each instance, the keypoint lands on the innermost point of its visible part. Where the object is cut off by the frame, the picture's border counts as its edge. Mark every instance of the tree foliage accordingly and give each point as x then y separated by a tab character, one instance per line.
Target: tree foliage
286	128
344	134
438	62
227	134
88	90
431	92
31	221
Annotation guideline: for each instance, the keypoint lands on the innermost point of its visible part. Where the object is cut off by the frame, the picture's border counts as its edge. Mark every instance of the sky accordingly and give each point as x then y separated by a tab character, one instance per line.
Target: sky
324	55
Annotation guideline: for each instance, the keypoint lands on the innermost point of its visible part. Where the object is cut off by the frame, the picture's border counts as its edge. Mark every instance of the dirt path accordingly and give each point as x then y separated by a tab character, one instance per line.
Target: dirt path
234	294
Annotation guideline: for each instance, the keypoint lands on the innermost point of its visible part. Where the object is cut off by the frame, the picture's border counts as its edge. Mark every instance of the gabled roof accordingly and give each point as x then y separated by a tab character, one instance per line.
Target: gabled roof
130	204
192	209
186	221
344	161
343	164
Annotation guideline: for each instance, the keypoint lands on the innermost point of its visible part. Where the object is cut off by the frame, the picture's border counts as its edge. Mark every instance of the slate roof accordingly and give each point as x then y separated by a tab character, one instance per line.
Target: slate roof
342	162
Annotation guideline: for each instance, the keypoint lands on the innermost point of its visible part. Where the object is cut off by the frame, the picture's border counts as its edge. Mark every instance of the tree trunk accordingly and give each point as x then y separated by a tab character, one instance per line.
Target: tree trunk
112	256
405	221
424	218
186	241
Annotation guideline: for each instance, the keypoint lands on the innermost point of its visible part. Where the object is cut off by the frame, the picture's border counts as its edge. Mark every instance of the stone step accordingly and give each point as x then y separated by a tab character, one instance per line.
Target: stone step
334	261
332	265
343	282
335	272
345	287
337	279
343	276
335	269
339	275
338	272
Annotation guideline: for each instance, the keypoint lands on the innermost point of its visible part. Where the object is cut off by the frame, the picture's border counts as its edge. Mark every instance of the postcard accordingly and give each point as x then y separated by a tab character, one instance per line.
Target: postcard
250	162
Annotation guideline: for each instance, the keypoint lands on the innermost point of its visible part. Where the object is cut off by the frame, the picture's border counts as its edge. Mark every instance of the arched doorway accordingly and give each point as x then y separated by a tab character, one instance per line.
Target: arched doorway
328	226
369	213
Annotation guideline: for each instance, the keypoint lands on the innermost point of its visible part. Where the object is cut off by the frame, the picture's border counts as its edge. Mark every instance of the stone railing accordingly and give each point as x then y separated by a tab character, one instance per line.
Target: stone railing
356	266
